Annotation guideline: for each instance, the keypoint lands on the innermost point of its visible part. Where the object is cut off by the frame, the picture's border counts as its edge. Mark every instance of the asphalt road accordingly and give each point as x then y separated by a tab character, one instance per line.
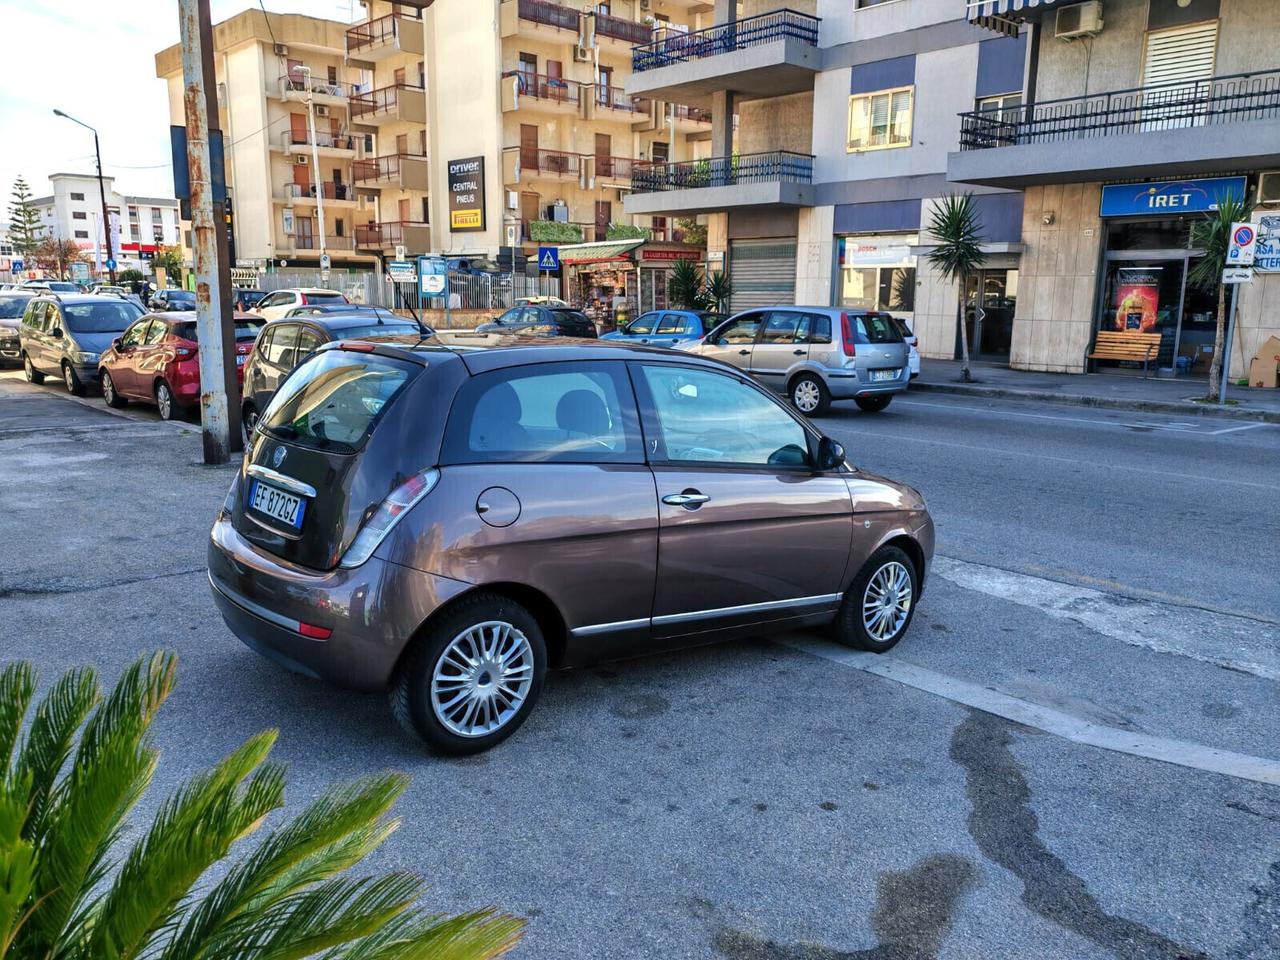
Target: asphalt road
1107	579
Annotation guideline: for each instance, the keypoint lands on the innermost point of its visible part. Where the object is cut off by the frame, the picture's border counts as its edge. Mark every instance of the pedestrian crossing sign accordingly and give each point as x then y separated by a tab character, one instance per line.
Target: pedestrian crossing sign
549	258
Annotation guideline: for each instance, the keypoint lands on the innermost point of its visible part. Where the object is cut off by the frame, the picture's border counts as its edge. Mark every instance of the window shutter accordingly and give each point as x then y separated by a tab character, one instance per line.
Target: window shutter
1180	55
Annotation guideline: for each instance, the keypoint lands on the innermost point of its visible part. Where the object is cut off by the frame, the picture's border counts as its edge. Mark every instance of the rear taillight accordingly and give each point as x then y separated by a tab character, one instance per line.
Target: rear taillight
184	353
388	514
304	298
312	632
915	342
356	346
846	334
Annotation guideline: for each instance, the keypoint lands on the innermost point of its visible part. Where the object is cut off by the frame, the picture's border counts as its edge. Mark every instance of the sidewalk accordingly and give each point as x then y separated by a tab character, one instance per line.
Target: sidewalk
1097	390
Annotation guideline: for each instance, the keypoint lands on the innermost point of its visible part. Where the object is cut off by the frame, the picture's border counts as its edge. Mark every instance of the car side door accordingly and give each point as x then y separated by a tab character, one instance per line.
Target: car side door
781	346
281	353
54	340
31	336
749	529
733	341
671	327
641	328
124	372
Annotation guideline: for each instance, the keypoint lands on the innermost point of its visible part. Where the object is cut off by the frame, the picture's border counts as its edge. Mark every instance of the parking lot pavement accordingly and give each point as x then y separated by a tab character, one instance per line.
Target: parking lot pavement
756	801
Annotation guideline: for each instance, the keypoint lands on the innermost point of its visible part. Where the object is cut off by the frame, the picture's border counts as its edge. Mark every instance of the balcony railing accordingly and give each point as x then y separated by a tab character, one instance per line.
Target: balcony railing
310	242
298	83
382	168
671	46
382	100
614	98
620	28
385	234
377	32
553	89
550	161
684	112
778	166
328	190
615	168
549	14
329	141
1169	106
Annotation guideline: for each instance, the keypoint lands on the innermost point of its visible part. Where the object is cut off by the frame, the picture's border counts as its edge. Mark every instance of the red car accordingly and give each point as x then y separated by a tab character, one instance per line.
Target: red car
156	360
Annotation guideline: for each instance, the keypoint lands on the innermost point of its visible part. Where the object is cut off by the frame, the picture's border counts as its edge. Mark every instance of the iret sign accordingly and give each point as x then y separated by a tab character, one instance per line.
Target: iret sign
466	195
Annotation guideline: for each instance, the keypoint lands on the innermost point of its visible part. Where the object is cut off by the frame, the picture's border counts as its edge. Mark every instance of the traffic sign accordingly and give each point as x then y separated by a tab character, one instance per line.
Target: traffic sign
549	258
400	251
17	264
1244	241
111	264
325	262
1237	275
402	271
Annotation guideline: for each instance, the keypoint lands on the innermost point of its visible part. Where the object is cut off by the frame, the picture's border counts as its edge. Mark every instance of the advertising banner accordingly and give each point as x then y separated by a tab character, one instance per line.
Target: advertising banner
1137	299
1266	251
1169	196
466	195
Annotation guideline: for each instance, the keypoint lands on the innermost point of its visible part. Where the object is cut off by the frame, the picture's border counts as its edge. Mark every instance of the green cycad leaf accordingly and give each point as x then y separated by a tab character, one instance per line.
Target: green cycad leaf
957	237
471	936
17	860
17	687
51	736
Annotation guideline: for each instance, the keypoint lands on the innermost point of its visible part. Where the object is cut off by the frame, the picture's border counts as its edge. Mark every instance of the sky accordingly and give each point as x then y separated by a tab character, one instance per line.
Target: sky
95	59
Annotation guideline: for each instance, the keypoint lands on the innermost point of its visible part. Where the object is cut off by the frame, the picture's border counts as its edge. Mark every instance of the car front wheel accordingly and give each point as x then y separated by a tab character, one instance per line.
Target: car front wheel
109	391
472	678
74	385
874	404
810	395
32	374
879	605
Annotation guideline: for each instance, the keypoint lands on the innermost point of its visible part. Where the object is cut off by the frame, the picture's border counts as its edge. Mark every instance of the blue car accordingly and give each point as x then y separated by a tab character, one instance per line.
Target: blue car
666	328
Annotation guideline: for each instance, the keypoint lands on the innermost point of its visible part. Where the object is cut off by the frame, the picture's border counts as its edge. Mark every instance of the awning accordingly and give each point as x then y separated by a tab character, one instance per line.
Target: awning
601	252
1003	16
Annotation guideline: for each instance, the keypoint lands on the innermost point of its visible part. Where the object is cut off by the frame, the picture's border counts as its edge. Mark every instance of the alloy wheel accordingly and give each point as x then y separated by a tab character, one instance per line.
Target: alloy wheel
807	396
164	400
69	378
28	370
886	603
108	388
482	679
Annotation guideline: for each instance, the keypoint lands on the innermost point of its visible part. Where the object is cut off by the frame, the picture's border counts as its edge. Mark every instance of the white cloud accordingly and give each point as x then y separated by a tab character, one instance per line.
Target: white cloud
95	59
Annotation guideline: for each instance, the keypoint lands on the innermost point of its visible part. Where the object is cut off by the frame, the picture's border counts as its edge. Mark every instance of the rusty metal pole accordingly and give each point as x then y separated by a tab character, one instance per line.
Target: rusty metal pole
198	84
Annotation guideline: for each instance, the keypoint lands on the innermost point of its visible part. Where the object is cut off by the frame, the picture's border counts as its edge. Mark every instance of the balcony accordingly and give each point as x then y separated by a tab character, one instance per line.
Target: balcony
1218	125
533	91
295	87
779	178
398	102
327	144
615	171
618	28
615	98
305	194
550	19
375	40
404	171
413	234
687	114
530	163
764	56
332	244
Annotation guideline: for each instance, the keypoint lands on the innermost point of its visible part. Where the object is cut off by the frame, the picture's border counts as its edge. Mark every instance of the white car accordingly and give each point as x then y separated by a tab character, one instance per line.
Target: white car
276	304
913	344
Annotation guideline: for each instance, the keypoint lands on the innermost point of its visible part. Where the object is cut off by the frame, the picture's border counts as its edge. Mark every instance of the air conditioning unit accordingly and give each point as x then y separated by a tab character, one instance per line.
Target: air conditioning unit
322	111
301	158
1269	188
581	54
1078	20
513	200
281	50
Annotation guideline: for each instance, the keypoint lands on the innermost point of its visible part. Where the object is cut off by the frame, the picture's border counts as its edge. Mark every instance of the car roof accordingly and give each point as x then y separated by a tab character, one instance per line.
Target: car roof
181	316
335	324
66	298
308	290
320	309
517	351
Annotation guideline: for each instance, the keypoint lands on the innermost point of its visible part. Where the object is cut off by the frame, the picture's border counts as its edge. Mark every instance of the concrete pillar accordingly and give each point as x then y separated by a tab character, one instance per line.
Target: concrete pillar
722	107
815	255
726	11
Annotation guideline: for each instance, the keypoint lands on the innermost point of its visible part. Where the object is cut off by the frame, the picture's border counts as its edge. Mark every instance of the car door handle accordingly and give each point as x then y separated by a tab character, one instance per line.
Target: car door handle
744	353
690	499
799	353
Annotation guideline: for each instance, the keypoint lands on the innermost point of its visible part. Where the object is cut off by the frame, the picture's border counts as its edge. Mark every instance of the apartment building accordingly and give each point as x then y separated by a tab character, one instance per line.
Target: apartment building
73	211
290	164
1138	117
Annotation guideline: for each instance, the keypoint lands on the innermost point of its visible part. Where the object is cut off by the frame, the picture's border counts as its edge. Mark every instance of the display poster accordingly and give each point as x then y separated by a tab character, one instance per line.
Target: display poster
1137	299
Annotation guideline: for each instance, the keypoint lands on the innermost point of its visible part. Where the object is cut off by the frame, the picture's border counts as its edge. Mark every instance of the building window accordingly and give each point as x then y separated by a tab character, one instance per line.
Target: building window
878	272
79	215
882	120
155	214
1006	107
82	234
333	76
77	196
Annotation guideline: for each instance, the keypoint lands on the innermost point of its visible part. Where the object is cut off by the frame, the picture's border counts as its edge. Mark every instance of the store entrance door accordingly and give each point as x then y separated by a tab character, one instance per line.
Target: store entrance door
989	305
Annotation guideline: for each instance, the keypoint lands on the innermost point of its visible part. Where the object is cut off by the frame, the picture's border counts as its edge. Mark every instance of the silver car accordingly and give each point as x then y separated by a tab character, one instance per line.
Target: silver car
815	354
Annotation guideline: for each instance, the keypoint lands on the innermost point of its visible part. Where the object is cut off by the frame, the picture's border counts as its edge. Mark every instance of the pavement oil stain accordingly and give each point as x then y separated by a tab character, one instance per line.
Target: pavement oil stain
1261	931
640	706
911	919
1005	829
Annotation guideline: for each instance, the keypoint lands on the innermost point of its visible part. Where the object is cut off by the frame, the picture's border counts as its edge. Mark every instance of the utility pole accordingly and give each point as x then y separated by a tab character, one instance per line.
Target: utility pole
215	324
102	194
315	165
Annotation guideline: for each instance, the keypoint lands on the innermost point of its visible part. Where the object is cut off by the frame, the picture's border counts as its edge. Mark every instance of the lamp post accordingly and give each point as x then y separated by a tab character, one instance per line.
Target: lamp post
102	194
315	165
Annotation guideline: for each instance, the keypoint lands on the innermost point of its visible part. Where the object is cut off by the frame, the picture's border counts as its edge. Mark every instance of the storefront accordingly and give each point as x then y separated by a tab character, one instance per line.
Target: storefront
656	263
878	272
602	279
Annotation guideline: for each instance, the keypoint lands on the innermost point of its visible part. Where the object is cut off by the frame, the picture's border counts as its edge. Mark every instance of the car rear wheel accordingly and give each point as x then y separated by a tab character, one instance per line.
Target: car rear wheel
873	404
109	391
74	385
878	607
810	395
32	374
249	420
471	680
168	407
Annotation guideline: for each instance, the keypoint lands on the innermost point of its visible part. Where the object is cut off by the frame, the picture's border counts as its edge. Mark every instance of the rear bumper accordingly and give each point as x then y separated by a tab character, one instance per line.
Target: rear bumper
372	612
845	385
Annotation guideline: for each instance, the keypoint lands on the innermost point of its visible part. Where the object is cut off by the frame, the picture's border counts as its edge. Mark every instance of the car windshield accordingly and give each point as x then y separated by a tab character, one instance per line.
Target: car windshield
563	315
245	329
63	287
100	317
180	295
12	307
878	328
335	399
314	298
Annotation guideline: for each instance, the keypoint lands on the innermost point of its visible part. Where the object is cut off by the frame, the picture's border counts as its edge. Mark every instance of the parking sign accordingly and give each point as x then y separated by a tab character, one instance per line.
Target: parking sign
1244	240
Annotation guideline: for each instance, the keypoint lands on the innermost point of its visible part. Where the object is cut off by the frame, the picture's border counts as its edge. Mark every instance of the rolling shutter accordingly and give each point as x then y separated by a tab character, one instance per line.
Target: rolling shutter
1180	55
763	273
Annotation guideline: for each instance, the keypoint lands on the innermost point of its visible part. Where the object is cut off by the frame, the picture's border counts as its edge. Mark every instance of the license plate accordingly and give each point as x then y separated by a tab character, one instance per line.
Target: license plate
277	504
883	375
240	359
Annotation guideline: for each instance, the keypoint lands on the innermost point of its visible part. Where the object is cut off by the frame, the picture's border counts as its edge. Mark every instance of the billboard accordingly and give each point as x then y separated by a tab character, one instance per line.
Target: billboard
466	195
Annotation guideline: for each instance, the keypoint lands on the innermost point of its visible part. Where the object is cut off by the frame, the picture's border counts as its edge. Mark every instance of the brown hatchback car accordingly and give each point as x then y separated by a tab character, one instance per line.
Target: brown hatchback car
447	524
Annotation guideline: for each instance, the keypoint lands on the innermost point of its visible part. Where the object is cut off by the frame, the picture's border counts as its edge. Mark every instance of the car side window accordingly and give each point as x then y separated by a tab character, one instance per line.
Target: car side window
270	300
743	330
283	345
672	323
264	340
780	327
642	325
133	336
309	341
156	333
706	417
819	328
35	316
511	316
549	413
531	315
52	318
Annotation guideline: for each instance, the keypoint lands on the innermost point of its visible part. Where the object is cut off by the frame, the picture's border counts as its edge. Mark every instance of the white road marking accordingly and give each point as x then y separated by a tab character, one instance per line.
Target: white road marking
1222	640
1057	722
1243	426
1175	426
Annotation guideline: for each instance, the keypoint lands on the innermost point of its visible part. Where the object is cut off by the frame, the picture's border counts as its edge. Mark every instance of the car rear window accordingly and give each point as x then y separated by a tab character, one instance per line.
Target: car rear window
180	295
99	317
334	400
375	330
878	328
314	298
562	315
245	329
12	307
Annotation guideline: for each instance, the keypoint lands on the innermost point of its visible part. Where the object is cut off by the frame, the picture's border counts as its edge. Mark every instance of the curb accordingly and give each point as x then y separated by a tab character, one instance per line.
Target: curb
1109	403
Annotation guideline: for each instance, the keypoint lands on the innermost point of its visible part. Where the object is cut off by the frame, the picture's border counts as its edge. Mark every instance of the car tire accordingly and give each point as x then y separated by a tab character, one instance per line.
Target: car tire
32	374
74	385
422	694
864	621
874	404
109	393
166	404
810	395
248	420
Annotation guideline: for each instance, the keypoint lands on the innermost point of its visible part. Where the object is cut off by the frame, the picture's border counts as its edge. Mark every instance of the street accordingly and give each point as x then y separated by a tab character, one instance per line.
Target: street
1104	594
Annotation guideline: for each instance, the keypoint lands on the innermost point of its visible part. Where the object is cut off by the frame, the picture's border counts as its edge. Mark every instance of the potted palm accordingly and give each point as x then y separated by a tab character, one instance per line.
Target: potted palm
957	255
1213	236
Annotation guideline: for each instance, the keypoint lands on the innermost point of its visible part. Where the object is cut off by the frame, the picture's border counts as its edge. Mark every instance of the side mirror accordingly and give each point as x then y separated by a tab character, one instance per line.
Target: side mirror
830	454
115	344
57	333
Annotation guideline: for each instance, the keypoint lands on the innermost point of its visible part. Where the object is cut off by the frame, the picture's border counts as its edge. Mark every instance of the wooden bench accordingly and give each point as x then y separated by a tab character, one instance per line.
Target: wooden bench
1123	345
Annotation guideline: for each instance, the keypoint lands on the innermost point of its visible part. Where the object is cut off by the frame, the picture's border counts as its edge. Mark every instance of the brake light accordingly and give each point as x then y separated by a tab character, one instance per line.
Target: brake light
401	501
304	298
356	346
312	632
846	334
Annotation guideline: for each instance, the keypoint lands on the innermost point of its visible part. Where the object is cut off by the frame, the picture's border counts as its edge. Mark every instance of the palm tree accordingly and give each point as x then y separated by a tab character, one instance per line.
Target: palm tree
957	254
718	291
70	890
684	286
1213	235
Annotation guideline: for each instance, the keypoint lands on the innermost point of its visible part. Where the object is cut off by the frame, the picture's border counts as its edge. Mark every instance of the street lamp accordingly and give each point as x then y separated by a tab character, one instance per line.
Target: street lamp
315	165
102	193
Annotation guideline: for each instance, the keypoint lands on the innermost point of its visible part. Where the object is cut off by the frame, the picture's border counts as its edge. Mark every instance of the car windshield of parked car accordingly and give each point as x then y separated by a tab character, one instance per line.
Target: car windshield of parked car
878	328
320	298
12	307
335	399
99	317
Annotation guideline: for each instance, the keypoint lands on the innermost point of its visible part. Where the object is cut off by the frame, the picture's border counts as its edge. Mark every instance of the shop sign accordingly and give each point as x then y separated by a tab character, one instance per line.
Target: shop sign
402	271
876	251
1266	253
466	195
1169	196
647	254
